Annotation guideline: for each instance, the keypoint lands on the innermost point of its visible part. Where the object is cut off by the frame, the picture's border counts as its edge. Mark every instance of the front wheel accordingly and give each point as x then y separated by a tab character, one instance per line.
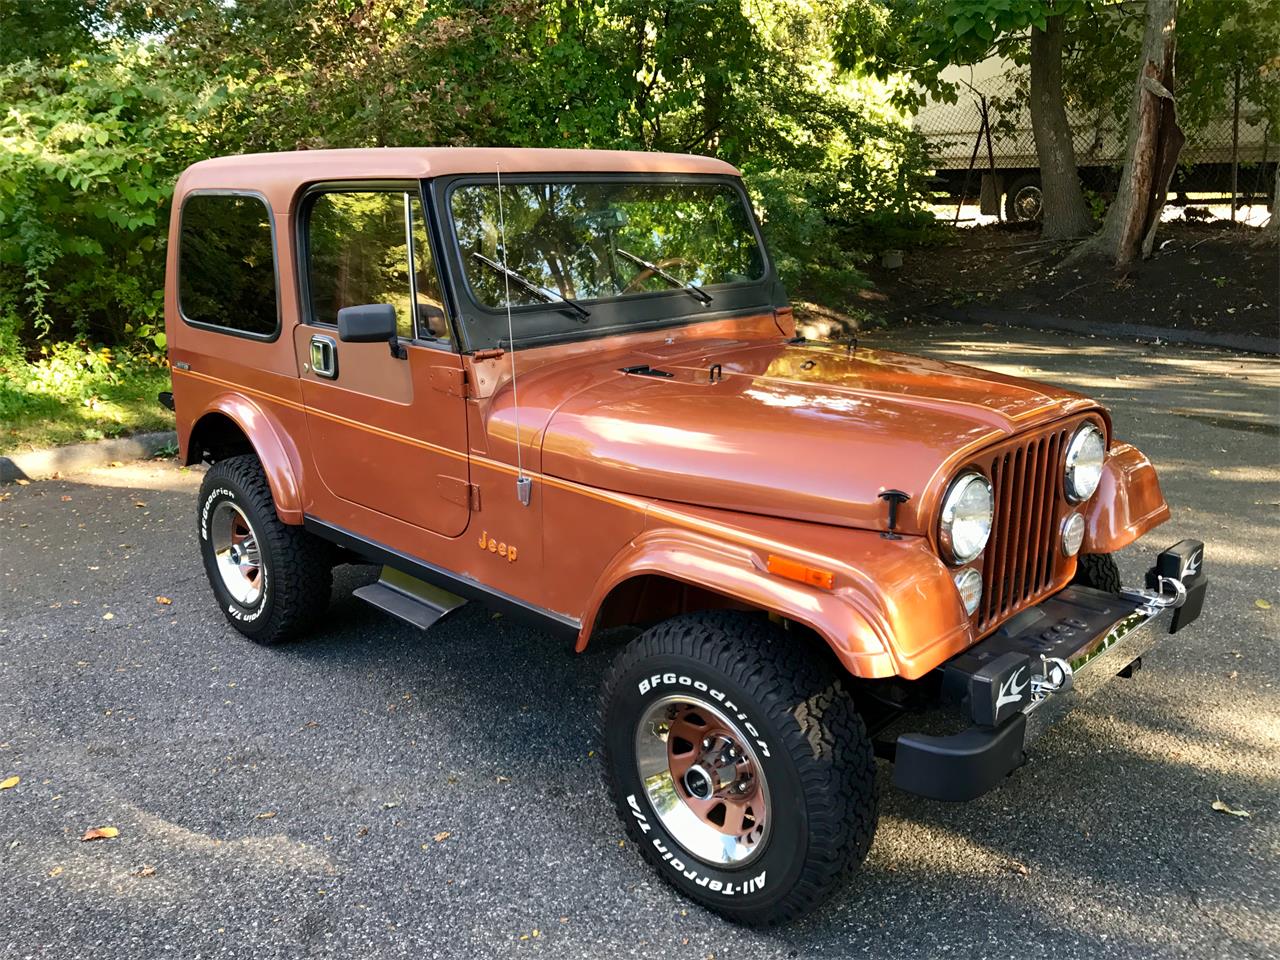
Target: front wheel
739	765
1098	570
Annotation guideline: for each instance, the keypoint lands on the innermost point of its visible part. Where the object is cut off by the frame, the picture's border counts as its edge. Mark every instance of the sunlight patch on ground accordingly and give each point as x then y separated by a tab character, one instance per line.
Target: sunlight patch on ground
141	475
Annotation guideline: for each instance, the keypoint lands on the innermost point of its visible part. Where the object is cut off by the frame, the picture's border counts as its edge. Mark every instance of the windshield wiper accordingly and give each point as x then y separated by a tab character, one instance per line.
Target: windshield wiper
542	293
696	292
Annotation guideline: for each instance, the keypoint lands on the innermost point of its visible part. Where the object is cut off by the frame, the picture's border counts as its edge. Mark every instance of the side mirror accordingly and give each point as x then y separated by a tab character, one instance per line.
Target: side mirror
370	323
367	323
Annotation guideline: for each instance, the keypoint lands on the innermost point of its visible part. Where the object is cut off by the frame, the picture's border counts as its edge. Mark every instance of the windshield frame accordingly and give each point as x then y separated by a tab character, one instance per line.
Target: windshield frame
481	326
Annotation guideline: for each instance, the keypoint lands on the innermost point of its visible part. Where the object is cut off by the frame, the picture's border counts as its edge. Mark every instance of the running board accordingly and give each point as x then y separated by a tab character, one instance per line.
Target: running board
409	599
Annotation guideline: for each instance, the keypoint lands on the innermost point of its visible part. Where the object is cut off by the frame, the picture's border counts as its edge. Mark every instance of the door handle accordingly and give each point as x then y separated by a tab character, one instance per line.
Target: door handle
324	357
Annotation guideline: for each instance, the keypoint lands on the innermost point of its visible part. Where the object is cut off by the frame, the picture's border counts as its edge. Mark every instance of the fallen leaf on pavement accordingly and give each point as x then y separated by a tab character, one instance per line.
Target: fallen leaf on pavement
56	871
108	616
1262	604
139	504
23	483
1015	867
267	815
163	601
146	870
100	833
65	498
1226	808
10	783
391	804
442	836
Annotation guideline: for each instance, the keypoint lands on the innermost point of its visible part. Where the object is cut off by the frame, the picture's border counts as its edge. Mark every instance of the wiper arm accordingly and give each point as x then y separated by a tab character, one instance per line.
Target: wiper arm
696	292
542	293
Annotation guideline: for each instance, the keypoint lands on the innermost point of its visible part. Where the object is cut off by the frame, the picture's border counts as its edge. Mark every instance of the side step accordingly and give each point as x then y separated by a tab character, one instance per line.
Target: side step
409	599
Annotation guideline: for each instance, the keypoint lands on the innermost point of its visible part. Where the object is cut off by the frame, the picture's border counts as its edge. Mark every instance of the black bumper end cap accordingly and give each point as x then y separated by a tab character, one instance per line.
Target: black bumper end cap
962	766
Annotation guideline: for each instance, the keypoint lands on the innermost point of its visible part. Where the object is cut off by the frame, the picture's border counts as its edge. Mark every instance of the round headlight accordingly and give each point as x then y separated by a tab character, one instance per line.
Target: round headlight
966	517
1085	455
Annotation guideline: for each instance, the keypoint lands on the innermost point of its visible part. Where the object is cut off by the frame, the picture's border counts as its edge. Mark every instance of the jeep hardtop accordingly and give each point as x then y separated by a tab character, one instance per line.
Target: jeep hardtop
568	384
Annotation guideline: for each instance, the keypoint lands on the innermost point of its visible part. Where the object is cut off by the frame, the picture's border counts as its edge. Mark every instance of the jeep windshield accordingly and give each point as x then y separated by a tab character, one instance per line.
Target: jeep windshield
636	252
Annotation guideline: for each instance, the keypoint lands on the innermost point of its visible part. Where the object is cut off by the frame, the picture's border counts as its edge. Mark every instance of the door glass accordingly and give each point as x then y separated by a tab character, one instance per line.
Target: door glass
358	251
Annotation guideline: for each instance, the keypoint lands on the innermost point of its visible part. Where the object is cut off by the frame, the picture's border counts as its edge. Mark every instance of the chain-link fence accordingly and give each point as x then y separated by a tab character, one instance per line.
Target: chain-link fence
983	145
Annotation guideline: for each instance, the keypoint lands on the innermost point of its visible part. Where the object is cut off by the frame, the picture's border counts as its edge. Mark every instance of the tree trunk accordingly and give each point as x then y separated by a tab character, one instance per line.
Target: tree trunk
1065	212
1154	142
1271	229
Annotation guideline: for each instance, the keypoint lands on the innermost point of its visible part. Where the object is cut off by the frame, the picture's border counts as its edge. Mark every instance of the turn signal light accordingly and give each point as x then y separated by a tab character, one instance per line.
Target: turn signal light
795	570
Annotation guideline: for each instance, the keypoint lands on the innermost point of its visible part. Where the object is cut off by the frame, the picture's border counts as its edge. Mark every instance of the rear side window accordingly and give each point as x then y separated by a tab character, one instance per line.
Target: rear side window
371	246
226	264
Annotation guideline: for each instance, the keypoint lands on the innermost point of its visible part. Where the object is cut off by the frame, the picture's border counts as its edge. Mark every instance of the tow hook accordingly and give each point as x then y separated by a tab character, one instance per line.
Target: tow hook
1158	599
1055	675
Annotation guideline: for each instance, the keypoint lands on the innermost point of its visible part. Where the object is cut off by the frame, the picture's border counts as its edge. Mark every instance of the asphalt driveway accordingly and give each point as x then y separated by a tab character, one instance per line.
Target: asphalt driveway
376	792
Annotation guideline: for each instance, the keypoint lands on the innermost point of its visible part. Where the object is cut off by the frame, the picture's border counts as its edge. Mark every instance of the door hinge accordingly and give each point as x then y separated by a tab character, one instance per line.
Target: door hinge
459	491
450	380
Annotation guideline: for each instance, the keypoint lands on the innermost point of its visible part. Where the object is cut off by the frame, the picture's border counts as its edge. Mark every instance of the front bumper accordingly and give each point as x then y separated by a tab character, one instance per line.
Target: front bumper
1016	683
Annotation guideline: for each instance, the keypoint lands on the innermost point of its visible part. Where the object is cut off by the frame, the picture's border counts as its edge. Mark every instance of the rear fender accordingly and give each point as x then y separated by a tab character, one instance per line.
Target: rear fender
272	445
1127	504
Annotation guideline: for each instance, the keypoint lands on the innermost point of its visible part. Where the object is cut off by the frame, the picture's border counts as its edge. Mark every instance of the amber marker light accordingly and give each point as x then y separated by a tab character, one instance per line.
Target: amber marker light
795	570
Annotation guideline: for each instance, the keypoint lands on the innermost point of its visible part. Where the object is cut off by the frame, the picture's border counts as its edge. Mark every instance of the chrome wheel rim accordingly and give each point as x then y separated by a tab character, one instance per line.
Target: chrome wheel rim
1027	202
703	780
236	553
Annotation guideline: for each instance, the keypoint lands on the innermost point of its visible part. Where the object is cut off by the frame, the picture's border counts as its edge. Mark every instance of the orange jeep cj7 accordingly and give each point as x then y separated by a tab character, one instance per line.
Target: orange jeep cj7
567	384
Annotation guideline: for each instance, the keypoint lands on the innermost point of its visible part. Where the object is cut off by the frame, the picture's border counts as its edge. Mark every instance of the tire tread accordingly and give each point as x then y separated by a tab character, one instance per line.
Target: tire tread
828	742
302	564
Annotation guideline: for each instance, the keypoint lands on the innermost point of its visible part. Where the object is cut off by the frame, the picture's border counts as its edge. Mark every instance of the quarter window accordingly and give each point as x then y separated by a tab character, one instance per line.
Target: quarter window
226	264
372	247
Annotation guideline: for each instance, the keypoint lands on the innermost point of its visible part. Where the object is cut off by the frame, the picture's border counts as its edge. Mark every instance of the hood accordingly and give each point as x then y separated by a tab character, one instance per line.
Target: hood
800	431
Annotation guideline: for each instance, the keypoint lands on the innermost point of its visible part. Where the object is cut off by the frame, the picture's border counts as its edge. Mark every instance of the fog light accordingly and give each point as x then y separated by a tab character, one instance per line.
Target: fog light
969	583
1072	534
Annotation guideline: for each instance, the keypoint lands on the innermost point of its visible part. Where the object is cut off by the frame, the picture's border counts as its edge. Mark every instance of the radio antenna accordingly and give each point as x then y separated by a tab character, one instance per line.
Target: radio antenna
524	485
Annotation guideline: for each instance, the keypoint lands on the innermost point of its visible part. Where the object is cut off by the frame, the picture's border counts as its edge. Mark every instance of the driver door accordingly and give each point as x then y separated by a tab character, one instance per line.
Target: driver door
388	433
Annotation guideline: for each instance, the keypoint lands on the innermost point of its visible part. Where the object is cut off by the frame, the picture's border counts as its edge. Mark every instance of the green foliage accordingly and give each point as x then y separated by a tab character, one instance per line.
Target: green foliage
90	152
107	102
923	37
77	391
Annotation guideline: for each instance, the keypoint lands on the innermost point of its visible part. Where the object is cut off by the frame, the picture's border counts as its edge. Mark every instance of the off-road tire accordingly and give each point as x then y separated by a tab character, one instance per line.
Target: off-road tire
297	567
819	767
1098	570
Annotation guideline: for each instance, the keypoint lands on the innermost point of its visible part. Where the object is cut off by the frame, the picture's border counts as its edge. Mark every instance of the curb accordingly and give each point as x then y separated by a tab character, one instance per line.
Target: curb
42	464
1126	331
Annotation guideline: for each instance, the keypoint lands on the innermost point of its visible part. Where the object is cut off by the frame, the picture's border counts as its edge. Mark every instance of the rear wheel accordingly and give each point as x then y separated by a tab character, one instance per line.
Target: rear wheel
1024	200
1098	570
739	765
271	579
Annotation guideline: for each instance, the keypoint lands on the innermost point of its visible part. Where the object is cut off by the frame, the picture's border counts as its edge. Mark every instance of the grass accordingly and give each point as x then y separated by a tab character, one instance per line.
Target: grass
73	392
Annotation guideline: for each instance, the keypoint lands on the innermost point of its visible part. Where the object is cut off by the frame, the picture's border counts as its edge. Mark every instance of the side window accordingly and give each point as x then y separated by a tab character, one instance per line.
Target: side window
372	247
226	264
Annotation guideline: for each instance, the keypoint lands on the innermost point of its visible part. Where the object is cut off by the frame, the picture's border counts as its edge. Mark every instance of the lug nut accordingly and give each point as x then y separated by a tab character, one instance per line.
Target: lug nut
707	743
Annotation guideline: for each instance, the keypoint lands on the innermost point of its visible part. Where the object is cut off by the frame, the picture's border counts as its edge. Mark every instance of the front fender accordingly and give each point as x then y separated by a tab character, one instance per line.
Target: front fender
275	450
893	609
1127	504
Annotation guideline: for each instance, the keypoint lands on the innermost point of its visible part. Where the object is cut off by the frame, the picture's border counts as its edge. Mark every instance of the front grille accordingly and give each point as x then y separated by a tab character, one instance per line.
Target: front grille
1022	561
